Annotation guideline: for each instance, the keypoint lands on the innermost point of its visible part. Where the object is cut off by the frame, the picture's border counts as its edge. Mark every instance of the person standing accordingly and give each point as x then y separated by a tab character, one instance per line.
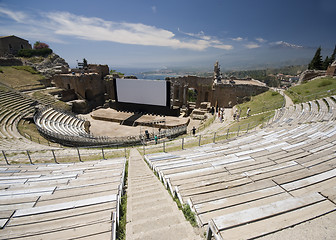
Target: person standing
248	112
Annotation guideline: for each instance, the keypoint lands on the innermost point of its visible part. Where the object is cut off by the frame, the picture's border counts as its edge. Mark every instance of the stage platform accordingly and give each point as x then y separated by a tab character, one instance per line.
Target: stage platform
106	122
111	115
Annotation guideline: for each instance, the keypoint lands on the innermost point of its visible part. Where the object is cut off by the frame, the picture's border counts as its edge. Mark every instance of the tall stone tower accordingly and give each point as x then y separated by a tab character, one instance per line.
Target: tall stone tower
217	74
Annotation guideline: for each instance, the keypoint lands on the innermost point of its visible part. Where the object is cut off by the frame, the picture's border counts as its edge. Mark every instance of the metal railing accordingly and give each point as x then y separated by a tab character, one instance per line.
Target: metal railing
190	141
91	140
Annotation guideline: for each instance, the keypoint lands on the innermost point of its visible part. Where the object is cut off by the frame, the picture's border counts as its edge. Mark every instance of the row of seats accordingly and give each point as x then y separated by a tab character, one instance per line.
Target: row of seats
266	181
61	201
67	129
13	107
313	111
61	123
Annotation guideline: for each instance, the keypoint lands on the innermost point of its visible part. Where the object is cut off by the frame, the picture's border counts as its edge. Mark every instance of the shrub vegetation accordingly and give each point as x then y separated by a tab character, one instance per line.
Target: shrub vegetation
34	52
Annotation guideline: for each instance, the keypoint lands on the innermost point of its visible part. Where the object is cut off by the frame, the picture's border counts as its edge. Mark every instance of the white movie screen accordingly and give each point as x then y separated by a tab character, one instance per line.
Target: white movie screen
140	91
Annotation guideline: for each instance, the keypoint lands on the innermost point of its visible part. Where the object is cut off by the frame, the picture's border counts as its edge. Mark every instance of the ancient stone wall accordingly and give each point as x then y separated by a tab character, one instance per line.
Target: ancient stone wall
310	74
87	86
109	86
228	95
102	70
331	71
224	94
10	62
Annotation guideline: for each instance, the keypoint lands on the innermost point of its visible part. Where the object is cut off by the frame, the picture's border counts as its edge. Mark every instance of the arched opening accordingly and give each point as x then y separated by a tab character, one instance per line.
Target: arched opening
192	94
89	95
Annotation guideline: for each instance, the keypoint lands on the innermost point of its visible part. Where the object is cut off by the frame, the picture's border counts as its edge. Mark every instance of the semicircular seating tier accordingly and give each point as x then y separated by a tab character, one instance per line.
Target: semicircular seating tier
68	129
61	201
13	107
261	182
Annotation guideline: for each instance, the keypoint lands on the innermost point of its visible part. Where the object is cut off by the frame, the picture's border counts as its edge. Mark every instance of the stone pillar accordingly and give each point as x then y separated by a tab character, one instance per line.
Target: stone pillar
199	96
185	91
172	89
181	88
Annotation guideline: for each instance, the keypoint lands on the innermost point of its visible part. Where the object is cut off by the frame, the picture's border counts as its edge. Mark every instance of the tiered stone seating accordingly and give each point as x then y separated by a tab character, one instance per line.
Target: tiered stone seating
61	123
313	111
61	201
13	107
69	130
261	182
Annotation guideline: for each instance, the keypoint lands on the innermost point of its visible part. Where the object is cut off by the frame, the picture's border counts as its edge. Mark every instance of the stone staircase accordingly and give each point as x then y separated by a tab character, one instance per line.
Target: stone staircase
151	211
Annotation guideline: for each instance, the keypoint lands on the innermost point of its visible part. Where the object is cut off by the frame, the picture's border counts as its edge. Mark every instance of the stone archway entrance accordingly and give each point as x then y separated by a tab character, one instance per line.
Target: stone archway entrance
192	95
89	95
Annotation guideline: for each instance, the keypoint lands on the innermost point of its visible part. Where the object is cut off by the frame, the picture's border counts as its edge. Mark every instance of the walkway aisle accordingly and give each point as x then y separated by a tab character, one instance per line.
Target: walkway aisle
151	212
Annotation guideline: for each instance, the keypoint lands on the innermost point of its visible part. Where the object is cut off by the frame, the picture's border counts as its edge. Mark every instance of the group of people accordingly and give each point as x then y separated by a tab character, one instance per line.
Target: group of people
221	115
236	115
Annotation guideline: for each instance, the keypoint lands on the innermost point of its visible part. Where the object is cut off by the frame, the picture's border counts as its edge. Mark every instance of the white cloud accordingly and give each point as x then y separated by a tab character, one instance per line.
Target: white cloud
154	9
261	40
208	40
97	29
223	46
237	39
16	16
58	24
252	45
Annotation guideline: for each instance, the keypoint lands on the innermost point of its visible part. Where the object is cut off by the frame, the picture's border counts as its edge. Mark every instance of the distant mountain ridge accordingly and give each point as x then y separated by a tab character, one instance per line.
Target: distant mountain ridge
283	44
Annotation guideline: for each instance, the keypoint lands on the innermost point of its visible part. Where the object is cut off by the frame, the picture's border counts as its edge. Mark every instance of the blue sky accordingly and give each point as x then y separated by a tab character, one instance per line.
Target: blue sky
159	33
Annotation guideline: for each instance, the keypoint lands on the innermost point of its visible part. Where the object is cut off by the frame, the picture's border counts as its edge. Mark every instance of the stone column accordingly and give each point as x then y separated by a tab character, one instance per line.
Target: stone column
181	95
172	89
185	91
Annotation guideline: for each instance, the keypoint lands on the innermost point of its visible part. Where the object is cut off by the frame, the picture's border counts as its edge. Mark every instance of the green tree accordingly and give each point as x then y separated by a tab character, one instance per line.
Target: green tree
333	56
326	63
316	63
85	63
112	71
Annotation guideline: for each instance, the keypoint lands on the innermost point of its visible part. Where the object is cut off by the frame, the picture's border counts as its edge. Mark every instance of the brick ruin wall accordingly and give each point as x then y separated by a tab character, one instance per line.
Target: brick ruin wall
10	62
225	95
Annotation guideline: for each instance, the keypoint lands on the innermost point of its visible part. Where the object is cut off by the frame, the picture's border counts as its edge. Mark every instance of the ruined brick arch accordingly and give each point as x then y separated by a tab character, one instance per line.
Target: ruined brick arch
89	94
192	94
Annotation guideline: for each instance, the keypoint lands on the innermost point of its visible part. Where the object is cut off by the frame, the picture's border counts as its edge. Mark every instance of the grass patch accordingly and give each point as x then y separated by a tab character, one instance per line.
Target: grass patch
324	83
121	229
20	79
47	99
266	101
249	123
315	89
26	68
29	129
189	215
